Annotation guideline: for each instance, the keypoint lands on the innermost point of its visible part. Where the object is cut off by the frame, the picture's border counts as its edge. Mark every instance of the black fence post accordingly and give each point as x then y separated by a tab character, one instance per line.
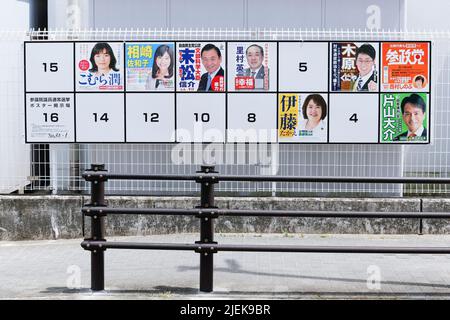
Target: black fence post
207	182
97	228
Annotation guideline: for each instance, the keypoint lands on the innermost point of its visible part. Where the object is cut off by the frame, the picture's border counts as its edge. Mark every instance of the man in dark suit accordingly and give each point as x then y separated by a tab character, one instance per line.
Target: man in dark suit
365	63
256	70
211	60
413	111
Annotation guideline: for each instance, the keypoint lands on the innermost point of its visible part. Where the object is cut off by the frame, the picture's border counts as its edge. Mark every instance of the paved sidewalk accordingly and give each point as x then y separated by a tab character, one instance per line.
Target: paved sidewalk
50	270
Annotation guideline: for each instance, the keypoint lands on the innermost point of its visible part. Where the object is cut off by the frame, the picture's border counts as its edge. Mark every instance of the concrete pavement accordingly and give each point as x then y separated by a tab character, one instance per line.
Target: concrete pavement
60	269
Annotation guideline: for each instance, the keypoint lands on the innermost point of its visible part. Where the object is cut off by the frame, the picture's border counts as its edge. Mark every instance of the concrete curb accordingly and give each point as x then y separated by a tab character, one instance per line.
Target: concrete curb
55	217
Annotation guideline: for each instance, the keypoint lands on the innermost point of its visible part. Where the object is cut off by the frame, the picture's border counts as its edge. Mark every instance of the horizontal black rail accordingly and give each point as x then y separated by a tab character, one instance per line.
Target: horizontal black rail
94	175
92	245
92	211
97	210
333	179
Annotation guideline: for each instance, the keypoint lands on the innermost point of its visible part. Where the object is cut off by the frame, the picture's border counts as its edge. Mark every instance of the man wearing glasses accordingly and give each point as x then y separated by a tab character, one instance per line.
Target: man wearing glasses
365	63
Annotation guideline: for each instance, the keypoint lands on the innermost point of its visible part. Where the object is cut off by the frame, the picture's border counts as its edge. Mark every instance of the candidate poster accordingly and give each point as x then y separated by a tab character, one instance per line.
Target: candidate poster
404	117
302	117
354	66
99	66
252	66
405	66
201	66
150	66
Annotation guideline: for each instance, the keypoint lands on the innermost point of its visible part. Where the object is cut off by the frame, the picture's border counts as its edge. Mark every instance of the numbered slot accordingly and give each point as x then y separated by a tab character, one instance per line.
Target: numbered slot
50	117
353	118
49	67
200	117
150	117
303	66
100	117
252	117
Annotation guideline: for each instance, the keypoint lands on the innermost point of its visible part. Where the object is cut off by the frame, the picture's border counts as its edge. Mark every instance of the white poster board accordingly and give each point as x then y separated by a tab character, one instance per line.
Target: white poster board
228	91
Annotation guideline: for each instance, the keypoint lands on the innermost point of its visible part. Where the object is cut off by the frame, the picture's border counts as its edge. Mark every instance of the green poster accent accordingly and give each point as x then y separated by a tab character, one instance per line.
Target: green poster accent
393	128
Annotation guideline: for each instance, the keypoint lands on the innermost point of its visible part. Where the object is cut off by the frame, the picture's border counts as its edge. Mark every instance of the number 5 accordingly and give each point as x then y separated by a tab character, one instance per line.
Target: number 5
302	67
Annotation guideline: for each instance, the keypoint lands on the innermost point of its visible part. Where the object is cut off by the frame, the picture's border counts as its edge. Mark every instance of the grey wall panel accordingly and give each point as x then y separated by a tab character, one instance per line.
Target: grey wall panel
207	14
285	14
130	14
353	14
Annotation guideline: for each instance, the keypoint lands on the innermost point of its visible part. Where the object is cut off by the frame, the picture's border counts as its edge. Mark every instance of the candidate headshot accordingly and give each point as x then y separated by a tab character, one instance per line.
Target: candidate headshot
256	69
161	74
314	110
413	110
419	82
102	59
365	64
211	59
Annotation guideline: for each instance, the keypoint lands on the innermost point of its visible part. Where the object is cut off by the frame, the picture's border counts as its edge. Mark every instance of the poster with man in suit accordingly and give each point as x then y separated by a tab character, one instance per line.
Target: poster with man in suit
201	66
354	66
252	65
404	117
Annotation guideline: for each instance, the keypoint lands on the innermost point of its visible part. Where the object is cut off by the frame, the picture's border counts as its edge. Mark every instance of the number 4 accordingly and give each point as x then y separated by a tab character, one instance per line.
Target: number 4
354	118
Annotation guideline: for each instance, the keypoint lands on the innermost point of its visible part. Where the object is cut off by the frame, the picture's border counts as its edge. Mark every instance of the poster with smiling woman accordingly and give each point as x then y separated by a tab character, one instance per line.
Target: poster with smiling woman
99	66
302	117
150	66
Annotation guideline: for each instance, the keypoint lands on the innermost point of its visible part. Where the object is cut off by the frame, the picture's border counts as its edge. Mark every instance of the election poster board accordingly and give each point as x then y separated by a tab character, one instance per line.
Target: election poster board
320	92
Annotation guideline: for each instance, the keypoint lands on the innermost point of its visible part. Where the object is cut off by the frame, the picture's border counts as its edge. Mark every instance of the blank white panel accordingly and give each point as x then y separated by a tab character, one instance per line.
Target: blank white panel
100	117
303	66
344	128
200	117
252	117
49	66
150	117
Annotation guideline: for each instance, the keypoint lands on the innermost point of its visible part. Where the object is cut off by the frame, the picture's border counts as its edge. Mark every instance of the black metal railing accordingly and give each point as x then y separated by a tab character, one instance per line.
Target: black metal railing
97	210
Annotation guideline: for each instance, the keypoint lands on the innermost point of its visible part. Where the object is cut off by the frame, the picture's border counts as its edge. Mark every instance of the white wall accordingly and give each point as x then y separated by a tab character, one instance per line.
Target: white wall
14	153
426	15
67	13
230	13
14	14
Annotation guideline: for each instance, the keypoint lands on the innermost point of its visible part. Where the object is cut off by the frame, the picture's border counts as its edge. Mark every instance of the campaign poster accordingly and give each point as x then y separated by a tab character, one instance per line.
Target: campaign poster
150	66
302	117
252	66
354	66
405	66
99	66
201	66
404	117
